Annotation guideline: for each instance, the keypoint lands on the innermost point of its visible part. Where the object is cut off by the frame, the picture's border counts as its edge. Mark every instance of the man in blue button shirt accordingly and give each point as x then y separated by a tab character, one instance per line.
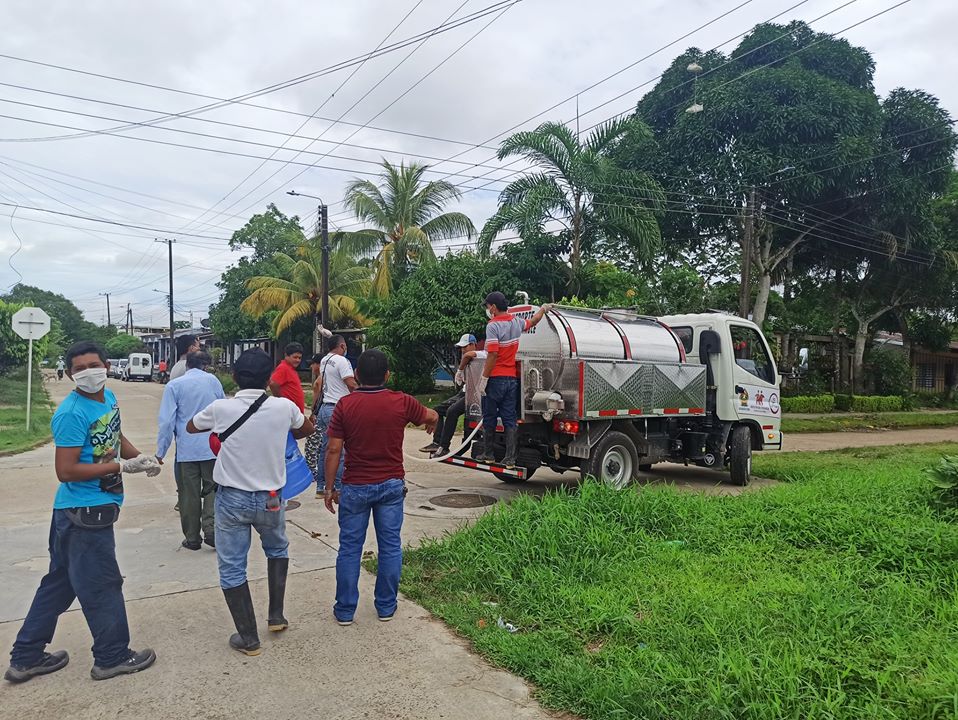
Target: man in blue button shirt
183	398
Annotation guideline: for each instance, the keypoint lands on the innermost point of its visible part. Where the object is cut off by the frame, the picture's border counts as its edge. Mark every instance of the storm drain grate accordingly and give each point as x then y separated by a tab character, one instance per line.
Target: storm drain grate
463	500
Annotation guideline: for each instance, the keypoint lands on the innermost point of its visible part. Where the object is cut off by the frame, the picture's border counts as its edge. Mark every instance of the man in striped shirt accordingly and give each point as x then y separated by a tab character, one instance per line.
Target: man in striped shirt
500	380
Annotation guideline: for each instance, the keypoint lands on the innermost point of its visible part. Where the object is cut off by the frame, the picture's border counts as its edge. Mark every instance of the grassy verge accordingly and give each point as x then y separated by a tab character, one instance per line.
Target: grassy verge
14	437
869	421
832	596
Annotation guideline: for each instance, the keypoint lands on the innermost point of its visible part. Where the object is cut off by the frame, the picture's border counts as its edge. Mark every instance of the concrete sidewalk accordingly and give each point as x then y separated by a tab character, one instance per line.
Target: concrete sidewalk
412	667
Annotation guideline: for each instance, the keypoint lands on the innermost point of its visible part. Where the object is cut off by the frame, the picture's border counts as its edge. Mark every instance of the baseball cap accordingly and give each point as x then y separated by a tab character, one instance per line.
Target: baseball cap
498	299
253	363
466	339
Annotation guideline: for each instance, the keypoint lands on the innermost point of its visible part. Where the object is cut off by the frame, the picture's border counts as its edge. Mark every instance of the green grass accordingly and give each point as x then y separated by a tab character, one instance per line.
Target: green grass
833	595
14	437
869	421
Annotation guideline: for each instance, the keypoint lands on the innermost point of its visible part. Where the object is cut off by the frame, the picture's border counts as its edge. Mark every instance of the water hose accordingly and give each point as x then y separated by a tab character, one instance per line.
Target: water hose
449	454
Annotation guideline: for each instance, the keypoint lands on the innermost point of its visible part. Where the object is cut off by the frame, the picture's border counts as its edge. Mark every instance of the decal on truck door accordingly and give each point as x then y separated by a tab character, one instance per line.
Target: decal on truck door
756	400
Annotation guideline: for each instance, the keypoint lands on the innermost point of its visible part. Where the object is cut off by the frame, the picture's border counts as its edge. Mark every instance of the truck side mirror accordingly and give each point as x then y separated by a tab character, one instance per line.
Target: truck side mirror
710	343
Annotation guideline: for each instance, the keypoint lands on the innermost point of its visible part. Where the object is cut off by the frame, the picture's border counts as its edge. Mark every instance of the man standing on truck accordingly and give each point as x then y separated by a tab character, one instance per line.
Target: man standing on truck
452	409
499	384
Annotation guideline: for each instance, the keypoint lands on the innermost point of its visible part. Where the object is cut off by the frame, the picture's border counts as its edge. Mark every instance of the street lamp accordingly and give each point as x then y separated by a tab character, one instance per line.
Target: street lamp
322	228
695	107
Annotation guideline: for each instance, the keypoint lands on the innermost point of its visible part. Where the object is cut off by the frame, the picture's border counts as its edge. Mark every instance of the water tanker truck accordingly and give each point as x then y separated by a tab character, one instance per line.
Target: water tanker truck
610	393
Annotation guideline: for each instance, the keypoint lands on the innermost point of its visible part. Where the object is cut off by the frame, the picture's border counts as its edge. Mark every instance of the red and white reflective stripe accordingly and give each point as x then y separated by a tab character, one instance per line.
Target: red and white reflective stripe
581	388
613	413
678	411
463	462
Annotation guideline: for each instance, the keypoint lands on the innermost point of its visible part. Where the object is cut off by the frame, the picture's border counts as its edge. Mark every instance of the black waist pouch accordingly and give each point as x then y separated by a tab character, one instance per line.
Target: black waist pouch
96	517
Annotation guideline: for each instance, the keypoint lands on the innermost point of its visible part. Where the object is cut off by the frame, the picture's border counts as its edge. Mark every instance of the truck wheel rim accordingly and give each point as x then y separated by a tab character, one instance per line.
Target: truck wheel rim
617	467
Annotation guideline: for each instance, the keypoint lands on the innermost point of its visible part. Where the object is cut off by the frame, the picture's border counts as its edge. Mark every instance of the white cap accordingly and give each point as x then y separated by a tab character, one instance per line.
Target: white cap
466	339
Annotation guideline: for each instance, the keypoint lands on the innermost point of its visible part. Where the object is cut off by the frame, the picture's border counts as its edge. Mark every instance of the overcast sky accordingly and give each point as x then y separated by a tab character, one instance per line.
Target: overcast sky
534	55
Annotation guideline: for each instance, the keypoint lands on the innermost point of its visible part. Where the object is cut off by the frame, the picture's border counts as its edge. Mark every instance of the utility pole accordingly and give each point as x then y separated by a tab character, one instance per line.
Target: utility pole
324	234
129	320
748	242
109	321
170	358
322	230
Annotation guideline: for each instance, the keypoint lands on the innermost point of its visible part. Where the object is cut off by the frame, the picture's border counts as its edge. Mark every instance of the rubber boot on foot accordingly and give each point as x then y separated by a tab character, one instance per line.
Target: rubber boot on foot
240	603
276	571
512	448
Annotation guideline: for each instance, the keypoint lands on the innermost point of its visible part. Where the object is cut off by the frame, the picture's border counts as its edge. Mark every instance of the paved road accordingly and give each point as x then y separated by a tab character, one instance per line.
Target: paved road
413	667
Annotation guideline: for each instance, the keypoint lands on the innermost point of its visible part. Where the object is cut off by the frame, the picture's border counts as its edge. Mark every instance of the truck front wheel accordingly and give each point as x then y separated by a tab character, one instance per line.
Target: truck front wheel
740	455
612	461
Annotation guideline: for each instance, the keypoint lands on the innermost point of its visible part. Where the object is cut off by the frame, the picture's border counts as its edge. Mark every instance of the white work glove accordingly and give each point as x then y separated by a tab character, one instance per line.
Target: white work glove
460	378
141	463
483	381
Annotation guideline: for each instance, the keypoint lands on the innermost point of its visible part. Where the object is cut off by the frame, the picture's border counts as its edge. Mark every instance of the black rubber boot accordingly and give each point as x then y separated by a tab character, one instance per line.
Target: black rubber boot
276	570
512	448
484	449
245	639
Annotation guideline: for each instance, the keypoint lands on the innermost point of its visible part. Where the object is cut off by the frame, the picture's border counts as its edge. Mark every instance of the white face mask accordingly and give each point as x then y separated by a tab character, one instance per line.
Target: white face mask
90	380
490	314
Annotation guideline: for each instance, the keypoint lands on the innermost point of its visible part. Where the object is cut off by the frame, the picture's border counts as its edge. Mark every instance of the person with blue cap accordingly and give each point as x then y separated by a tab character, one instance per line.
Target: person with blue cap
452	409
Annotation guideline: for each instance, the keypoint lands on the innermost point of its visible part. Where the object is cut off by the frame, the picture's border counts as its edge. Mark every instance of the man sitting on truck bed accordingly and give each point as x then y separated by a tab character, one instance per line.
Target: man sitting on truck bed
499	384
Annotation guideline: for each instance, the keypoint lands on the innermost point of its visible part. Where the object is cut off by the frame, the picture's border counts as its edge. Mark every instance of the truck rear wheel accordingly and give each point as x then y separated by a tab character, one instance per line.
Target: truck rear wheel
612	461
740	455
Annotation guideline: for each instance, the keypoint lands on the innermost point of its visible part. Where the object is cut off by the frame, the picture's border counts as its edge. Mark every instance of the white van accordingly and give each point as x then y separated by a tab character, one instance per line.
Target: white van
139	367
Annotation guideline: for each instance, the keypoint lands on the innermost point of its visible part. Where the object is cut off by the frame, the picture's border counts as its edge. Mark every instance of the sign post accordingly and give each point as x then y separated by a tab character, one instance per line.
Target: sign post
30	323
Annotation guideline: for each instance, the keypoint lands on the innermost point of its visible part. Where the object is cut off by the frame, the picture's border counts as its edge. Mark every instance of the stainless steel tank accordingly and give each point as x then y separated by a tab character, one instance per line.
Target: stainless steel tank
603	364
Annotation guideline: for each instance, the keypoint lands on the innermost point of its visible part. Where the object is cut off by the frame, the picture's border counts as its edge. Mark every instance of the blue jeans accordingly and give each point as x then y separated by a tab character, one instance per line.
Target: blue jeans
385	501
236	512
323	417
500	401
82	566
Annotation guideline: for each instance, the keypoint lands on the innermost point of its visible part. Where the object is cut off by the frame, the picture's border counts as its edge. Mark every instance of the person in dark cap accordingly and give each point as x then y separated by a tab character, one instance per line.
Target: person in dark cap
499	384
250	472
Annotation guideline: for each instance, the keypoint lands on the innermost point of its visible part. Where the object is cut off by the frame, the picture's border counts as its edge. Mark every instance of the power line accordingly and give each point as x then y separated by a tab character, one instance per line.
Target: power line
270	88
307	120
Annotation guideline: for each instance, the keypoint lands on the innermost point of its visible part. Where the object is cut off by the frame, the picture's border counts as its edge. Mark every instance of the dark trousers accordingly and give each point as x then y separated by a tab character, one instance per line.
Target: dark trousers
82	566
194	489
500	403
449	412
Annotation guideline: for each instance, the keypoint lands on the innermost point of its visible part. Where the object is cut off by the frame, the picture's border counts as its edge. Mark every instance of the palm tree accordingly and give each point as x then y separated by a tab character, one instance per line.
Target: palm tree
579	186
296	289
404	215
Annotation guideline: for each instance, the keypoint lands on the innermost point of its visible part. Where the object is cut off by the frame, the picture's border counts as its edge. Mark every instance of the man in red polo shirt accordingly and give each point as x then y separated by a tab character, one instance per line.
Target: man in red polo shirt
499	384
285	380
371	423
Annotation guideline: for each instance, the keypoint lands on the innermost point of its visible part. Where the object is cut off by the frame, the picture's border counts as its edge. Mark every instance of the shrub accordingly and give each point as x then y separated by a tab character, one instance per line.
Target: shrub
944	478
876	403
843	402
889	371
808	404
227	381
932	399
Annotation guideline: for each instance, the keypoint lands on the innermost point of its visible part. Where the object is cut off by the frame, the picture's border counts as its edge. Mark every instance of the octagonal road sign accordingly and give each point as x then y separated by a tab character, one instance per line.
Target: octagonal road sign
31	323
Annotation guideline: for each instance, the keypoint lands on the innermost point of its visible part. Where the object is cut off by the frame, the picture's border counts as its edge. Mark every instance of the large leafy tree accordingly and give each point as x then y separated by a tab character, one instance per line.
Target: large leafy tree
577	186
295	290
785	122
73	327
419	323
404	214
264	235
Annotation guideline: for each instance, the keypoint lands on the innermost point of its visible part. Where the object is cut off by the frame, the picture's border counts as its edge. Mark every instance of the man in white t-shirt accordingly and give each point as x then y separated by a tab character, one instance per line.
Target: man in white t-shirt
336	380
451	409
250	472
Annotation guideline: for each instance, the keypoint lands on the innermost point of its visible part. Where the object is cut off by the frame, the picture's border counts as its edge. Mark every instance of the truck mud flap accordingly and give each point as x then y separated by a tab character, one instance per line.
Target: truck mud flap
518	472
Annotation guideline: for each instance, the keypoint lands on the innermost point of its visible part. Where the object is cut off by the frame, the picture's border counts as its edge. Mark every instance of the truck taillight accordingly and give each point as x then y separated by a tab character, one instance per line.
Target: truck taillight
570	427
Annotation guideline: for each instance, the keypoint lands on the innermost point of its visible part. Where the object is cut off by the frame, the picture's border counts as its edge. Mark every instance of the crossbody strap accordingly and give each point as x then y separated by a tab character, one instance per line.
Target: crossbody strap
243	418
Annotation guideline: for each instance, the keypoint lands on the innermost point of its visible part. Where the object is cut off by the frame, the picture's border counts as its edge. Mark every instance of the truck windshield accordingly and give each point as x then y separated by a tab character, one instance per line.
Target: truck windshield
750	352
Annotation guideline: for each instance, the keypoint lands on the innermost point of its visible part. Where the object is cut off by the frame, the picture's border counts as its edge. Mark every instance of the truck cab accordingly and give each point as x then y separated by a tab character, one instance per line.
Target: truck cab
746	379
